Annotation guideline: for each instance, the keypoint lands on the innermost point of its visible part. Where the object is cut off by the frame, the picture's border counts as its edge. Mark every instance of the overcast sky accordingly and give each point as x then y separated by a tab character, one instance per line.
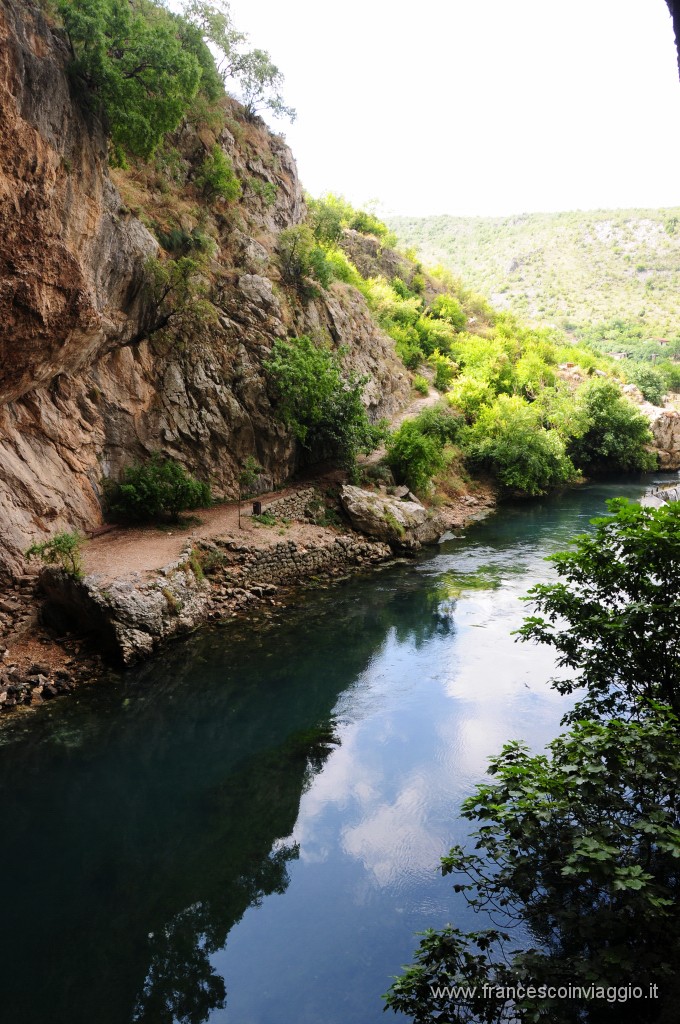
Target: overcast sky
478	106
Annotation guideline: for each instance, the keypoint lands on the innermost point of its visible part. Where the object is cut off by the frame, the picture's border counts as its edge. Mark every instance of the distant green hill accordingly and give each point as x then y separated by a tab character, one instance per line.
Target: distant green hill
565	269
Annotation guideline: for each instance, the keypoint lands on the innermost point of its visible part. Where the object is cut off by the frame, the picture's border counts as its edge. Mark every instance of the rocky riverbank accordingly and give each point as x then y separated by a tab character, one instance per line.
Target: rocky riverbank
61	632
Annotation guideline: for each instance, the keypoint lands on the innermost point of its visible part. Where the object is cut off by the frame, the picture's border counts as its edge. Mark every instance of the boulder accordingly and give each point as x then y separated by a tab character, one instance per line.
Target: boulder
403	523
665	426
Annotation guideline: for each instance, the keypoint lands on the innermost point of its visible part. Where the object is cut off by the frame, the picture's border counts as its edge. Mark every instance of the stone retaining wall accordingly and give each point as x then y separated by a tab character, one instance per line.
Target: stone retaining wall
213	579
294	506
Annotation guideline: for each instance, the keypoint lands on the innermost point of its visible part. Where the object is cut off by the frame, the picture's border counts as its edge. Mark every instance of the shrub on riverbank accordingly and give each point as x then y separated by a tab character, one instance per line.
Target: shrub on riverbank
615	433
509	441
421	447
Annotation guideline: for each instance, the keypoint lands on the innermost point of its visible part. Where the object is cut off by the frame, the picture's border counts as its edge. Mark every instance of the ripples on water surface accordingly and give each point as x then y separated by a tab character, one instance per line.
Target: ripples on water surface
248	830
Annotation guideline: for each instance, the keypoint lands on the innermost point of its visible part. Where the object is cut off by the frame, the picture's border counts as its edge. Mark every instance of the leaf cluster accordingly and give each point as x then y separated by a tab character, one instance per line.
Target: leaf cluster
63	549
157	490
321	402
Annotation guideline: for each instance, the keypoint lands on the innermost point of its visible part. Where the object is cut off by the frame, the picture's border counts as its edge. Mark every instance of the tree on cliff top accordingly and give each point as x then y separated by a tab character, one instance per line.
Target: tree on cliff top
144	65
141	64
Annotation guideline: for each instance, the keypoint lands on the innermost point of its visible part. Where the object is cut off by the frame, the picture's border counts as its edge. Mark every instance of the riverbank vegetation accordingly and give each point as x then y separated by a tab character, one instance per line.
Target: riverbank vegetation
531	408
573	860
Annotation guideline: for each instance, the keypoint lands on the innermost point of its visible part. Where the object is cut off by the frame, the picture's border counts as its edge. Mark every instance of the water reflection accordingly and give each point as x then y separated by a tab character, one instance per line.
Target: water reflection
149	832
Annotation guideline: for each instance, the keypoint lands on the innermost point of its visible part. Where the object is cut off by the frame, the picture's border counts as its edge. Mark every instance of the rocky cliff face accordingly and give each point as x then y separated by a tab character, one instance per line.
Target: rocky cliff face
84	389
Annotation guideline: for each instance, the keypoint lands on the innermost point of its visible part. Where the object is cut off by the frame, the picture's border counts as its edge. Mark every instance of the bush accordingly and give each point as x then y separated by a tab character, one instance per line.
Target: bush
157	490
421	385
417	450
216	177
615	433
302	258
471	395
444	370
321	402
447	307
509	441
651	382
415	457
62	549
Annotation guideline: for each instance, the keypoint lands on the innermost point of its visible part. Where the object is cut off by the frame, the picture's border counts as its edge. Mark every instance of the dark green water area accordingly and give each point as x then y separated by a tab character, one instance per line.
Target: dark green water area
248	829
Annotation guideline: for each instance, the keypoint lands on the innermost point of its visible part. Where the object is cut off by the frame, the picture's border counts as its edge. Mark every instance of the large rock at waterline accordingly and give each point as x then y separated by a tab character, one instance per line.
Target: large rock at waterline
665	426
404	524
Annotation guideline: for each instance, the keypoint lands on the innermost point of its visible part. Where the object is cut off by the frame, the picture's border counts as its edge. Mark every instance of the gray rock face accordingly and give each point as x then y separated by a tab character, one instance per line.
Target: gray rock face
404	524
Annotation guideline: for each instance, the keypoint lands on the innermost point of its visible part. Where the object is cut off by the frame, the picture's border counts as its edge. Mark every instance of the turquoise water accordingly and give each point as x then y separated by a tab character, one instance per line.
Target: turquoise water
247	831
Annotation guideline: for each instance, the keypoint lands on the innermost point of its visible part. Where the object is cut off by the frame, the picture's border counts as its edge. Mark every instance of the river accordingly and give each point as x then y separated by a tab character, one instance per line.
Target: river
248	829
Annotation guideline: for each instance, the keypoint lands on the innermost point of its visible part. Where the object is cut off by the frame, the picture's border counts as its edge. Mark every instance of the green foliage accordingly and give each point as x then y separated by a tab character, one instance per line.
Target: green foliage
216	177
342	268
613	616
261	84
156	490
417	451
63	549
651	382
444	370
615	435
581	846
415	457
330	214
470	395
509	440
179	298
321	402
140	65
266	190
249	474
301	258
447	307
421	385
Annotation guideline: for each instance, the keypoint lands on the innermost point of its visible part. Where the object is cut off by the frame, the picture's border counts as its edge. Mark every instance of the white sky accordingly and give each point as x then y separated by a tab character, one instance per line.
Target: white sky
478	106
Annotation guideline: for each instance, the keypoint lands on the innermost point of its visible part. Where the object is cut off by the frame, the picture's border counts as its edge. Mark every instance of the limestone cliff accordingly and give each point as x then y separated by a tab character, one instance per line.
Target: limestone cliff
86	386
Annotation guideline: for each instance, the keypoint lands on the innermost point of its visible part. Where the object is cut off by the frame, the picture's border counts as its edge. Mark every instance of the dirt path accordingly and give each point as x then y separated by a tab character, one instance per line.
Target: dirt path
125	550
410	412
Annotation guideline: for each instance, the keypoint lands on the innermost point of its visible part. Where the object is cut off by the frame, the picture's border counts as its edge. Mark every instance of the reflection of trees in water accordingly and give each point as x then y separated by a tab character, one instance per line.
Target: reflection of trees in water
154	809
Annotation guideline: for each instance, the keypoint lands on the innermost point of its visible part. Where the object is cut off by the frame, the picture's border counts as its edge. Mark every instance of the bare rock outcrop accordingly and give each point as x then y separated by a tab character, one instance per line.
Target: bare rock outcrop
665	426
402	522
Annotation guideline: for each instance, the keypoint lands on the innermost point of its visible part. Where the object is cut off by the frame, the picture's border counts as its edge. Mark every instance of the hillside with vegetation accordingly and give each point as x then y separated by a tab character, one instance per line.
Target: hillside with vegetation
565	269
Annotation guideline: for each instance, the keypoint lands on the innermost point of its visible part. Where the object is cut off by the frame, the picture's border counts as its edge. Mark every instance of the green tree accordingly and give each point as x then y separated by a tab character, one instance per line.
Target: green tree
321	402
156	490
214	22
615	436
140	66
261	85
578	848
651	382
301	258
216	177
509	441
62	549
612	617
